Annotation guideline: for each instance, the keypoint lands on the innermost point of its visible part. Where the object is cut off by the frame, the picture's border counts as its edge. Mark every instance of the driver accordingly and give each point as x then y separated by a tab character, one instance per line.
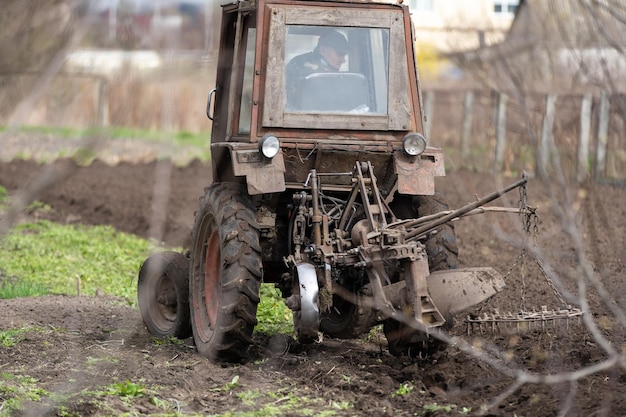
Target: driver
328	56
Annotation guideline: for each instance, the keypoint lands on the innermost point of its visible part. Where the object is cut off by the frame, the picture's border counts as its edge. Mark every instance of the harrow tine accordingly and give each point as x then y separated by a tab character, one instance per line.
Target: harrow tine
524	320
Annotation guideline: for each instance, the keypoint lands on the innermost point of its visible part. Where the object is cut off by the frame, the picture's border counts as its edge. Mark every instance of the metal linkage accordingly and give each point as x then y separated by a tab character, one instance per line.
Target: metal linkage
425	228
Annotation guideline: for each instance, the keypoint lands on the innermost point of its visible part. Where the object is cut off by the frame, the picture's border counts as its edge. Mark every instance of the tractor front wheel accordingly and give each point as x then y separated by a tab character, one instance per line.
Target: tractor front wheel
225	275
163	294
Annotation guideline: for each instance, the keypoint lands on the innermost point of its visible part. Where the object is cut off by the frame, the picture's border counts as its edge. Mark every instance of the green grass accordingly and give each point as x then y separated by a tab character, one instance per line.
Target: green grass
50	258
273	315
12	287
181	147
405	389
283	402
254	402
117	132
127	389
3	196
14	389
11	337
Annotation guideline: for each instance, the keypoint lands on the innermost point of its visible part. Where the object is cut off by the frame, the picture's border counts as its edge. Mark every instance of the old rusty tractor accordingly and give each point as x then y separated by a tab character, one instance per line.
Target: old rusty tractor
323	183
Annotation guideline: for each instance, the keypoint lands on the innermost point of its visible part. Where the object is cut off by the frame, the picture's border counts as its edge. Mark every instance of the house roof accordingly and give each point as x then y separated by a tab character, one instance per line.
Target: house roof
558	46
572	23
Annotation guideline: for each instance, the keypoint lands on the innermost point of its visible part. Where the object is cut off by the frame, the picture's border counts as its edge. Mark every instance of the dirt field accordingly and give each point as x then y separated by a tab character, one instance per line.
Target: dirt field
85	344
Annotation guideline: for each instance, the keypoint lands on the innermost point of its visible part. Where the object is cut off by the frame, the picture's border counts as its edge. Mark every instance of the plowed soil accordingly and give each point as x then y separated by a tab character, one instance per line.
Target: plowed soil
87	343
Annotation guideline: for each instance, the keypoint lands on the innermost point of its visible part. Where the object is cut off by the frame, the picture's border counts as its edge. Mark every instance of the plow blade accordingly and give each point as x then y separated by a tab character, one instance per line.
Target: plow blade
457	290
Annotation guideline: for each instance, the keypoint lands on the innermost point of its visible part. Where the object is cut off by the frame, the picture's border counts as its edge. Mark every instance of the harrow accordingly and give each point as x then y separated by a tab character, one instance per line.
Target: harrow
525	320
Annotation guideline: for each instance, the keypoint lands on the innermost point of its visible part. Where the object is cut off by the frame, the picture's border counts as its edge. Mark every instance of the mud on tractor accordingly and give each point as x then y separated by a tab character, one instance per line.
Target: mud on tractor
323	184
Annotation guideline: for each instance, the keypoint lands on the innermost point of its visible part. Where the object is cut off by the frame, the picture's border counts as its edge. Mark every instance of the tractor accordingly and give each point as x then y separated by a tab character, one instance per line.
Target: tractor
323	183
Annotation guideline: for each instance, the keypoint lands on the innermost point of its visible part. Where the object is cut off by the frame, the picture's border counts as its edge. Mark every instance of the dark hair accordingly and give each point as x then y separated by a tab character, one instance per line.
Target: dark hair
335	40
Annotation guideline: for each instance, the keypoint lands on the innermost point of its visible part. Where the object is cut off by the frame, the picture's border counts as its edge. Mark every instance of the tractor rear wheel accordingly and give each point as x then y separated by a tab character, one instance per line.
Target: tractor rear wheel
345	320
443	254
163	294
226	273
342	320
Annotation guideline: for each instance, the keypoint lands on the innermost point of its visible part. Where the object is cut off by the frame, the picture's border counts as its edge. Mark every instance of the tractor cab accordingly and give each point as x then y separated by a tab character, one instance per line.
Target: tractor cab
300	76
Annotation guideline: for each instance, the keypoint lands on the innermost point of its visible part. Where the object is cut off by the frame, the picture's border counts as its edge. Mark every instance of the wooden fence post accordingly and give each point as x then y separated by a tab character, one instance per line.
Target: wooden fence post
102	109
585	135
603	132
503	100
612	167
546	144
429	103
466	128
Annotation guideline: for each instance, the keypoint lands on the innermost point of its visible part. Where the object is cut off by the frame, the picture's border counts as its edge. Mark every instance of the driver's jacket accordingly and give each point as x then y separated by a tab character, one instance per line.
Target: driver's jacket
297	69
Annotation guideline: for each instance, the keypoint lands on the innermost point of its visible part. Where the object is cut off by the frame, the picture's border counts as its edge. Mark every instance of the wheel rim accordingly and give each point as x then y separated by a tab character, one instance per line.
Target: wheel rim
206	280
165	308
211	276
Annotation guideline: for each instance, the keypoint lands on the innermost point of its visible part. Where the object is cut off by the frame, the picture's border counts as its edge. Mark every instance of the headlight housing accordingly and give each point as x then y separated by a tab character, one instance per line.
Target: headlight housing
414	143
269	146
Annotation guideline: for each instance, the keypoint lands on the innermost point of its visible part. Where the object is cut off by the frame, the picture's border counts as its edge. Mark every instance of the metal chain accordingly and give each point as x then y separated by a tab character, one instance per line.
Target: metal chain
551	284
530	223
523	196
513	266
522	304
523	207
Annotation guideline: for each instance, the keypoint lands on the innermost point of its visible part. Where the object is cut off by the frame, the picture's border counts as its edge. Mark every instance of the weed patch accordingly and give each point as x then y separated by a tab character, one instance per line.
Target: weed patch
11	337
15	389
273	315
45	257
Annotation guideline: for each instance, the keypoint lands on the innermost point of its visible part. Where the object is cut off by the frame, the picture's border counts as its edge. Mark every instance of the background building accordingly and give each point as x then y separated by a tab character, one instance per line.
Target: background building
558	46
458	25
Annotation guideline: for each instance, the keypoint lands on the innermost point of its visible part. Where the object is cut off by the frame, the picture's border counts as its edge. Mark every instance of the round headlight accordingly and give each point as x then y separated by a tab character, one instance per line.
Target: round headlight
269	146
414	143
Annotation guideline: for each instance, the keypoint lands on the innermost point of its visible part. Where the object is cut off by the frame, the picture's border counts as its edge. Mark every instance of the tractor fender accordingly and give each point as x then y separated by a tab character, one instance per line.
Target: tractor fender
262	175
416	174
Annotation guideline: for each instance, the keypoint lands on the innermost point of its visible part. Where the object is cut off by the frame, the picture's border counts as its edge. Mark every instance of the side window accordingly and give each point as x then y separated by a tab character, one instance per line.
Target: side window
245	107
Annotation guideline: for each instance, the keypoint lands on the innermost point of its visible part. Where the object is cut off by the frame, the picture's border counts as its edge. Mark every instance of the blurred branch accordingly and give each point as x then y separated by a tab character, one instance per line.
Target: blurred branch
599	24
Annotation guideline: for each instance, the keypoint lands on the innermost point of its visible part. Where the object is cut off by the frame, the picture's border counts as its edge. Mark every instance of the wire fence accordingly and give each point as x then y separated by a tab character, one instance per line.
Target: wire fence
490	130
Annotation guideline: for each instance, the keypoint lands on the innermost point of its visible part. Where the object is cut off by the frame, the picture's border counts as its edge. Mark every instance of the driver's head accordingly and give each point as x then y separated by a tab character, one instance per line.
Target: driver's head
333	46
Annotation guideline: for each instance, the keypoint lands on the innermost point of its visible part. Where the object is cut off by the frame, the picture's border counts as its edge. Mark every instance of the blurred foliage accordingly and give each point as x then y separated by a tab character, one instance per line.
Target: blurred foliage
429	62
116	132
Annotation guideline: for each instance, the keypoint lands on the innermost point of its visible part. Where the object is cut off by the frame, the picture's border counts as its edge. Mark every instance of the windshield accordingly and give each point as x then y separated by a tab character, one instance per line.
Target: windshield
336	70
322	74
